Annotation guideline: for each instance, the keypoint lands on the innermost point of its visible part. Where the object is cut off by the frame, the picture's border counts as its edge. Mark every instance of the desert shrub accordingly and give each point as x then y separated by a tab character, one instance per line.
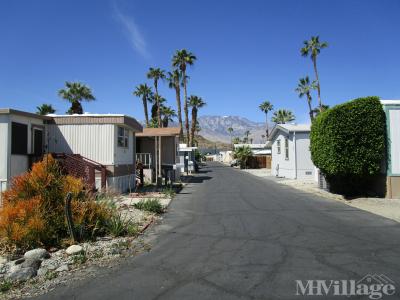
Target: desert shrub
150	205
33	211
348	144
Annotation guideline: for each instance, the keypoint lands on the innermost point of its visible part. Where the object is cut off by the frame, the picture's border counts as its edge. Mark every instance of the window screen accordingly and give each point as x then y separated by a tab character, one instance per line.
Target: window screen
19	138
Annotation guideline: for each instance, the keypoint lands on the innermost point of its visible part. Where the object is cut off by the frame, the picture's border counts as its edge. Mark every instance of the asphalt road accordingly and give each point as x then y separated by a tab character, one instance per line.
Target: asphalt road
231	235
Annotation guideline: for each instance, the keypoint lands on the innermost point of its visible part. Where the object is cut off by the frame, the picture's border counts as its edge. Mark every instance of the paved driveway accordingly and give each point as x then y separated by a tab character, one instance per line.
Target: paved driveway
232	235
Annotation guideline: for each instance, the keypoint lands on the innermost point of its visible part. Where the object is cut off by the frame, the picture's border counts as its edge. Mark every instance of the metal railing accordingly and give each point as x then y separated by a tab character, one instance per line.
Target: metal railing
2	189
145	159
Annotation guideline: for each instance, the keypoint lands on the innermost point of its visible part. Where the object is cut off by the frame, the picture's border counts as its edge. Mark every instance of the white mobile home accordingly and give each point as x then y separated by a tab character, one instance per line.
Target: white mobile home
392	111
22	141
291	156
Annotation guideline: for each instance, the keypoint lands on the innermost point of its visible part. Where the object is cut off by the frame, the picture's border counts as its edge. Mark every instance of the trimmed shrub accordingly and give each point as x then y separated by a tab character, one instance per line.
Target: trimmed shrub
348	144
33	212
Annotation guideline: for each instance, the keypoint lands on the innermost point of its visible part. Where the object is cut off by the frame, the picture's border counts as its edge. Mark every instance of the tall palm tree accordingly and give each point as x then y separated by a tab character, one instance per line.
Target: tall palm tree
266	107
174	82
75	93
156	74
145	92
182	59
45	109
304	88
167	114
158	102
195	102
313	47
283	116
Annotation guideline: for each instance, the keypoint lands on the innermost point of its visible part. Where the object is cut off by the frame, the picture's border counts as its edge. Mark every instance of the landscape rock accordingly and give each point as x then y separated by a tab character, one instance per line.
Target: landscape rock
31	263
38	253
3	260
74	249
23	274
63	268
42	272
15	268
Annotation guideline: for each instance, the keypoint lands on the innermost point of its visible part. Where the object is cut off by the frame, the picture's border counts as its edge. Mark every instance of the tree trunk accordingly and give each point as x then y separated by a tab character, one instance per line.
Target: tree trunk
146	113
76	108
194	121
318	86
178	105
266	122
310	108
158	105
185	107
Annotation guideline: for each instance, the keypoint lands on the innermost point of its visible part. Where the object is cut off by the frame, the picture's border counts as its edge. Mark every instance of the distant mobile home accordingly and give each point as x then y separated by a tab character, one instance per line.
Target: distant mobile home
291	156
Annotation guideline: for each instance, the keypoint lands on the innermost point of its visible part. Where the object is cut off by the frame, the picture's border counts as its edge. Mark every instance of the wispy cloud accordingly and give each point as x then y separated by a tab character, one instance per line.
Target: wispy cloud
132	32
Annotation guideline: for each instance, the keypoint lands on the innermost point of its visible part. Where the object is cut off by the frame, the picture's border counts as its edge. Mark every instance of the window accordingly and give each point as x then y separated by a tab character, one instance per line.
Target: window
286	148
278	146
19	138
123	137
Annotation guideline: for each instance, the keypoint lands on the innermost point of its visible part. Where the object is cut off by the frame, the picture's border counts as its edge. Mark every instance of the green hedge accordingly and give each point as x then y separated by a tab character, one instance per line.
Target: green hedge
348	143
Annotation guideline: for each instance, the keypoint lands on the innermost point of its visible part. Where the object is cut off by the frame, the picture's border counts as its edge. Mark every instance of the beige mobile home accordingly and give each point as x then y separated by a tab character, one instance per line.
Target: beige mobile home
107	139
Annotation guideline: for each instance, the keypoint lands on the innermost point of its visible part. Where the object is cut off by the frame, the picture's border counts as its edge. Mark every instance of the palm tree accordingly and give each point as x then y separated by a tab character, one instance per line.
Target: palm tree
158	101
167	114
313	47
195	102
283	116
266	107
316	111
75	93
246	133
144	91
230	130
45	109
181	59
236	140
304	89
242	154
174	82
156	74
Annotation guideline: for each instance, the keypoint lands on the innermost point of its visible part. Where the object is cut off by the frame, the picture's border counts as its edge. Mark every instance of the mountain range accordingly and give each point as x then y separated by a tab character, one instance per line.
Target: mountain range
215	128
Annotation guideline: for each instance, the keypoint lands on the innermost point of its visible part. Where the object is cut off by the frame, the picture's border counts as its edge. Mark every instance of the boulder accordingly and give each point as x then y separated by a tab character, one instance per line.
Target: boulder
38	253
31	263
74	249
62	268
23	274
42	272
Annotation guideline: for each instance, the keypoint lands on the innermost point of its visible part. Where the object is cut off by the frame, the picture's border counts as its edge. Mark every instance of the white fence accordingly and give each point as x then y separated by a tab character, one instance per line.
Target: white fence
145	159
3	187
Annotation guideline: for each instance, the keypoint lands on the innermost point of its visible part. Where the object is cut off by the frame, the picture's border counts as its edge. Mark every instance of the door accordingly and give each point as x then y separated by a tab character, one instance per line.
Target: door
37	142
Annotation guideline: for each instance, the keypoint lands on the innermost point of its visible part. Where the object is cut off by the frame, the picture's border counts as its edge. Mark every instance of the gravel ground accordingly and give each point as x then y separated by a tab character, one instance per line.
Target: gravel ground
388	208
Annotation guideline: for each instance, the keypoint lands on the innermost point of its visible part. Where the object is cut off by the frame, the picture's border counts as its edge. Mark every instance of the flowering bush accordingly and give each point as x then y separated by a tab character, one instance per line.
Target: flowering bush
33	211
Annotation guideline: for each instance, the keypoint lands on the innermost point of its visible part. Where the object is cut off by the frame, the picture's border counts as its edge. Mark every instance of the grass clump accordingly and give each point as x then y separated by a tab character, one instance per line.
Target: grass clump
5	286
151	205
79	259
117	226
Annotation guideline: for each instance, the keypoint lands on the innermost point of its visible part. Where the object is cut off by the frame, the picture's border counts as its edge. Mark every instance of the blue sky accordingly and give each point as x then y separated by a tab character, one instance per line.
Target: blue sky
248	51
